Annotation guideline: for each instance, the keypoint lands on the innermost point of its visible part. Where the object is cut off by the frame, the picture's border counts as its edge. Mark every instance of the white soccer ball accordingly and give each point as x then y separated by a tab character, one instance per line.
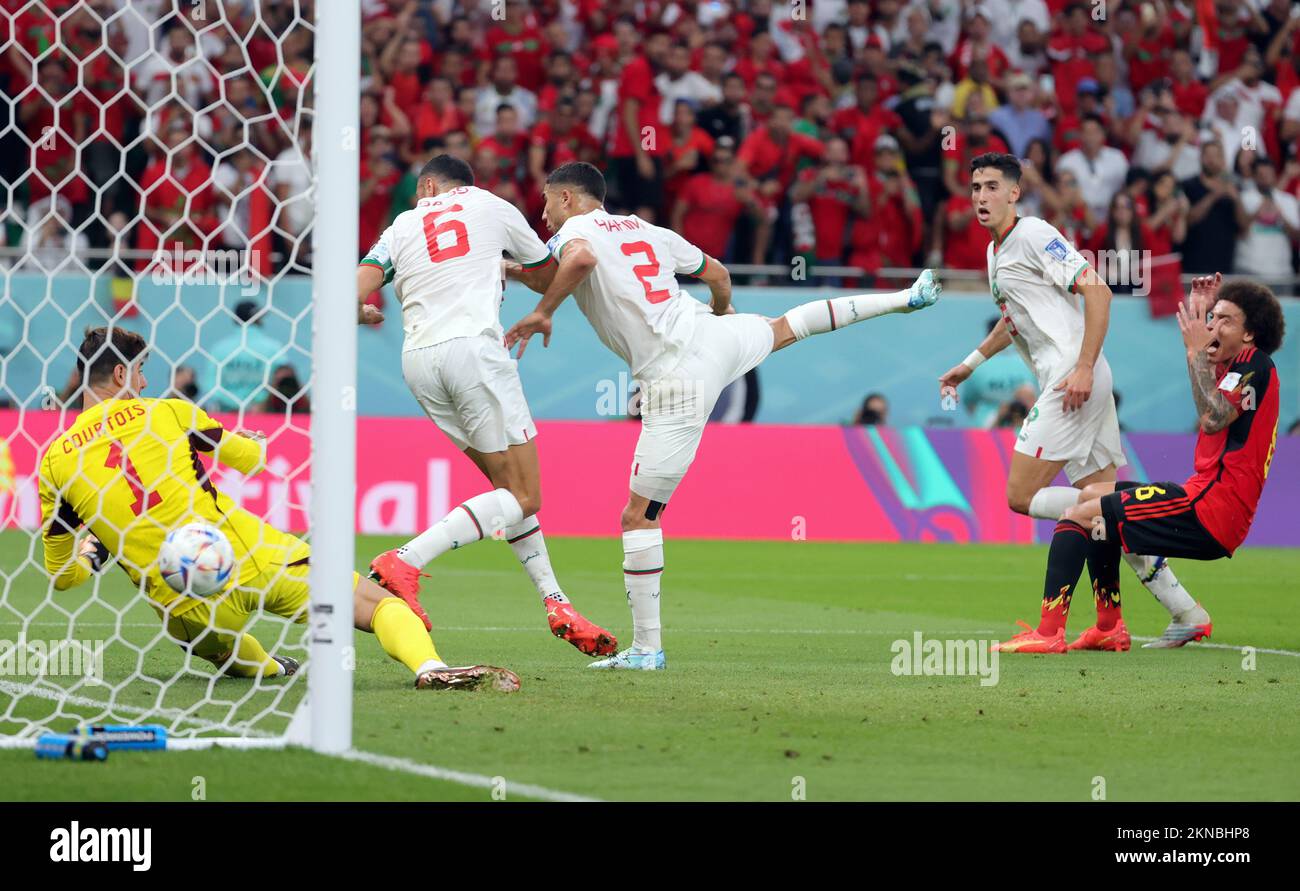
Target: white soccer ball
196	559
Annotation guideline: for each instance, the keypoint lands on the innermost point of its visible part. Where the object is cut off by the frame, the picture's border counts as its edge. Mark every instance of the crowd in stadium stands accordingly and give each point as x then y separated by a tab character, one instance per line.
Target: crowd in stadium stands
839	131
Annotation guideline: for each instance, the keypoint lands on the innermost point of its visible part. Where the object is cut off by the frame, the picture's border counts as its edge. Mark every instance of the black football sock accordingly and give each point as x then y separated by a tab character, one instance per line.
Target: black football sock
1065	561
1103	566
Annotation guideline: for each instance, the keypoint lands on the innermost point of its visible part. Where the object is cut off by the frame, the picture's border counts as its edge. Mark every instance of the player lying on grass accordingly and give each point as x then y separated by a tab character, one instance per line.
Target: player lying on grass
1036	277
1229	333
444	257
128	468
623	273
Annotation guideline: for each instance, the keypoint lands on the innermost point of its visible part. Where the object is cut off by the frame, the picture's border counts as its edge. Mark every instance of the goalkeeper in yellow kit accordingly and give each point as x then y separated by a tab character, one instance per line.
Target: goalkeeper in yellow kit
128	468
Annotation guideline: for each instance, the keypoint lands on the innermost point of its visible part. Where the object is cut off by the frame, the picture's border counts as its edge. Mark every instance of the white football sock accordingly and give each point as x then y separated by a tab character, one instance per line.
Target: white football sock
430	665
1050	502
479	517
530	547
643	569
821	316
1163	585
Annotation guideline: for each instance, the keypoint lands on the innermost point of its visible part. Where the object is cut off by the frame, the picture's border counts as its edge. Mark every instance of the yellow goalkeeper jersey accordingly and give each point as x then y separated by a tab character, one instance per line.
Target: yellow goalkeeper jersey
129	469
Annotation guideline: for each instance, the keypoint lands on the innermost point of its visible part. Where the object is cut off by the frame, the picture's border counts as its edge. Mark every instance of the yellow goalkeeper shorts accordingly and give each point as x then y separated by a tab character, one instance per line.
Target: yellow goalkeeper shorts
214	630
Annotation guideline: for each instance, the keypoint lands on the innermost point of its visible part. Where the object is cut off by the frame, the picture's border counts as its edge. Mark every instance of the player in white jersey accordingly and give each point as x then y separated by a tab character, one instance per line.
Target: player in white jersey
623	273
445	259
1037	278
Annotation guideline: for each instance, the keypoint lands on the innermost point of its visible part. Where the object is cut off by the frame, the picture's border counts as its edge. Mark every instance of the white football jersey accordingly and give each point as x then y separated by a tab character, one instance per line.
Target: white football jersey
444	258
1033	271
631	298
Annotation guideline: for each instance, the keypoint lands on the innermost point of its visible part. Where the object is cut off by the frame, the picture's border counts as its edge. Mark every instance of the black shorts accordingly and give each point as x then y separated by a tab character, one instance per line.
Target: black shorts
633	190
1158	520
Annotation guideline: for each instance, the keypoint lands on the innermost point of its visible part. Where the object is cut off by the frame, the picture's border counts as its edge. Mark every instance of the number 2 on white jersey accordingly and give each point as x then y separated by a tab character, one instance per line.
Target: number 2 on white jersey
646	271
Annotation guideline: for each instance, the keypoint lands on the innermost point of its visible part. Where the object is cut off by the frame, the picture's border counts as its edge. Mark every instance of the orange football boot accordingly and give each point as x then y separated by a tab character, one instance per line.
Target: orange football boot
1030	641
1115	640
569	624
401	578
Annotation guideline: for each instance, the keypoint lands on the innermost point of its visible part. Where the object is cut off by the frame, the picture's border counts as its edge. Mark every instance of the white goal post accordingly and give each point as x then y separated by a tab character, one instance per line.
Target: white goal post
334	433
172	153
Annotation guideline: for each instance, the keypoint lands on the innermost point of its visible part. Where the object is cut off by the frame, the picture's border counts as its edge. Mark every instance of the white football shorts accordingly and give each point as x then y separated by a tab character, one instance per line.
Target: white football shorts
469	387
1087	439
675	408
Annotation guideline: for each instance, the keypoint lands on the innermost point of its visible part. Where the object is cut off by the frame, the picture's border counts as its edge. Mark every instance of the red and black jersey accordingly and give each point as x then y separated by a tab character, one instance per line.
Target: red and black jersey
1231	465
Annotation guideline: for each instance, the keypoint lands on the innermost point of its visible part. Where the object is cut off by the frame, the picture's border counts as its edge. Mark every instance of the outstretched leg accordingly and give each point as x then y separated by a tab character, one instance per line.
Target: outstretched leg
822	316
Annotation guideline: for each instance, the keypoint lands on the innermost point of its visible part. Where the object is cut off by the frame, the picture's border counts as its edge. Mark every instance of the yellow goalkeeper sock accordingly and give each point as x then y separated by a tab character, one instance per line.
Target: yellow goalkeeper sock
402	634
250	661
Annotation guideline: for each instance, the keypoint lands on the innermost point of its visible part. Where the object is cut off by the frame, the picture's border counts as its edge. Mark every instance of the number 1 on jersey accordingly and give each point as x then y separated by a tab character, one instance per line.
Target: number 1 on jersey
118	459
645	271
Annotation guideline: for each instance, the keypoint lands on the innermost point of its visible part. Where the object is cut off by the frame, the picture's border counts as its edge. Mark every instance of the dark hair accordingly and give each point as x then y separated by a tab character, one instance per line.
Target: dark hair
103	349
870	416
1134	226
1007	165
447	169
581	176
1095	118
1262	310
248	311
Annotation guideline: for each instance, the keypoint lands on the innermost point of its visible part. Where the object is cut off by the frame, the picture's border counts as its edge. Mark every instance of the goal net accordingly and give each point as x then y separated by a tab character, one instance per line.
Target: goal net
158	177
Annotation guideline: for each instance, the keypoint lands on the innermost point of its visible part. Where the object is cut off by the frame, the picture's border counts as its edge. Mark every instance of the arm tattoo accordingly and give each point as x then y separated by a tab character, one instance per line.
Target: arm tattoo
1214	409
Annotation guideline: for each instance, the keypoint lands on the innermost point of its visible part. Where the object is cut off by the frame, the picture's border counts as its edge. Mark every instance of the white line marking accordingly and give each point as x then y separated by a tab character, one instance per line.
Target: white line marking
1237	647
906	632
19	690
476	780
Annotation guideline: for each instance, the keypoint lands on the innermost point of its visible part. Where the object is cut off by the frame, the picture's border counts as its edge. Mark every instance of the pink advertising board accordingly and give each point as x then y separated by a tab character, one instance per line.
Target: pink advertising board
748	481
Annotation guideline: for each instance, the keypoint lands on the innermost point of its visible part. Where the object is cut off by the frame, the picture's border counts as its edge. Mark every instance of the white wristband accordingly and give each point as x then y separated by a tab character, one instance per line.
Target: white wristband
974	360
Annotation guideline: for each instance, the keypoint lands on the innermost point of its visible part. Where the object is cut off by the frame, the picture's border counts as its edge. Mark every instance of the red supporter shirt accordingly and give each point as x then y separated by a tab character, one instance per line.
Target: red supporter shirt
1191	97
890	235
1150	59
512	156
831	208
432	122
576	145
764	157
1231	465
749	69
528	48
963	150
1070	63
966	53
374	210
863	129
701	142
712	209
407	91
638	82
965	248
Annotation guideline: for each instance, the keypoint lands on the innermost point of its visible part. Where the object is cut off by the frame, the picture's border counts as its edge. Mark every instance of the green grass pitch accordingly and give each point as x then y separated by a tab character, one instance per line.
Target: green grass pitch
779	680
